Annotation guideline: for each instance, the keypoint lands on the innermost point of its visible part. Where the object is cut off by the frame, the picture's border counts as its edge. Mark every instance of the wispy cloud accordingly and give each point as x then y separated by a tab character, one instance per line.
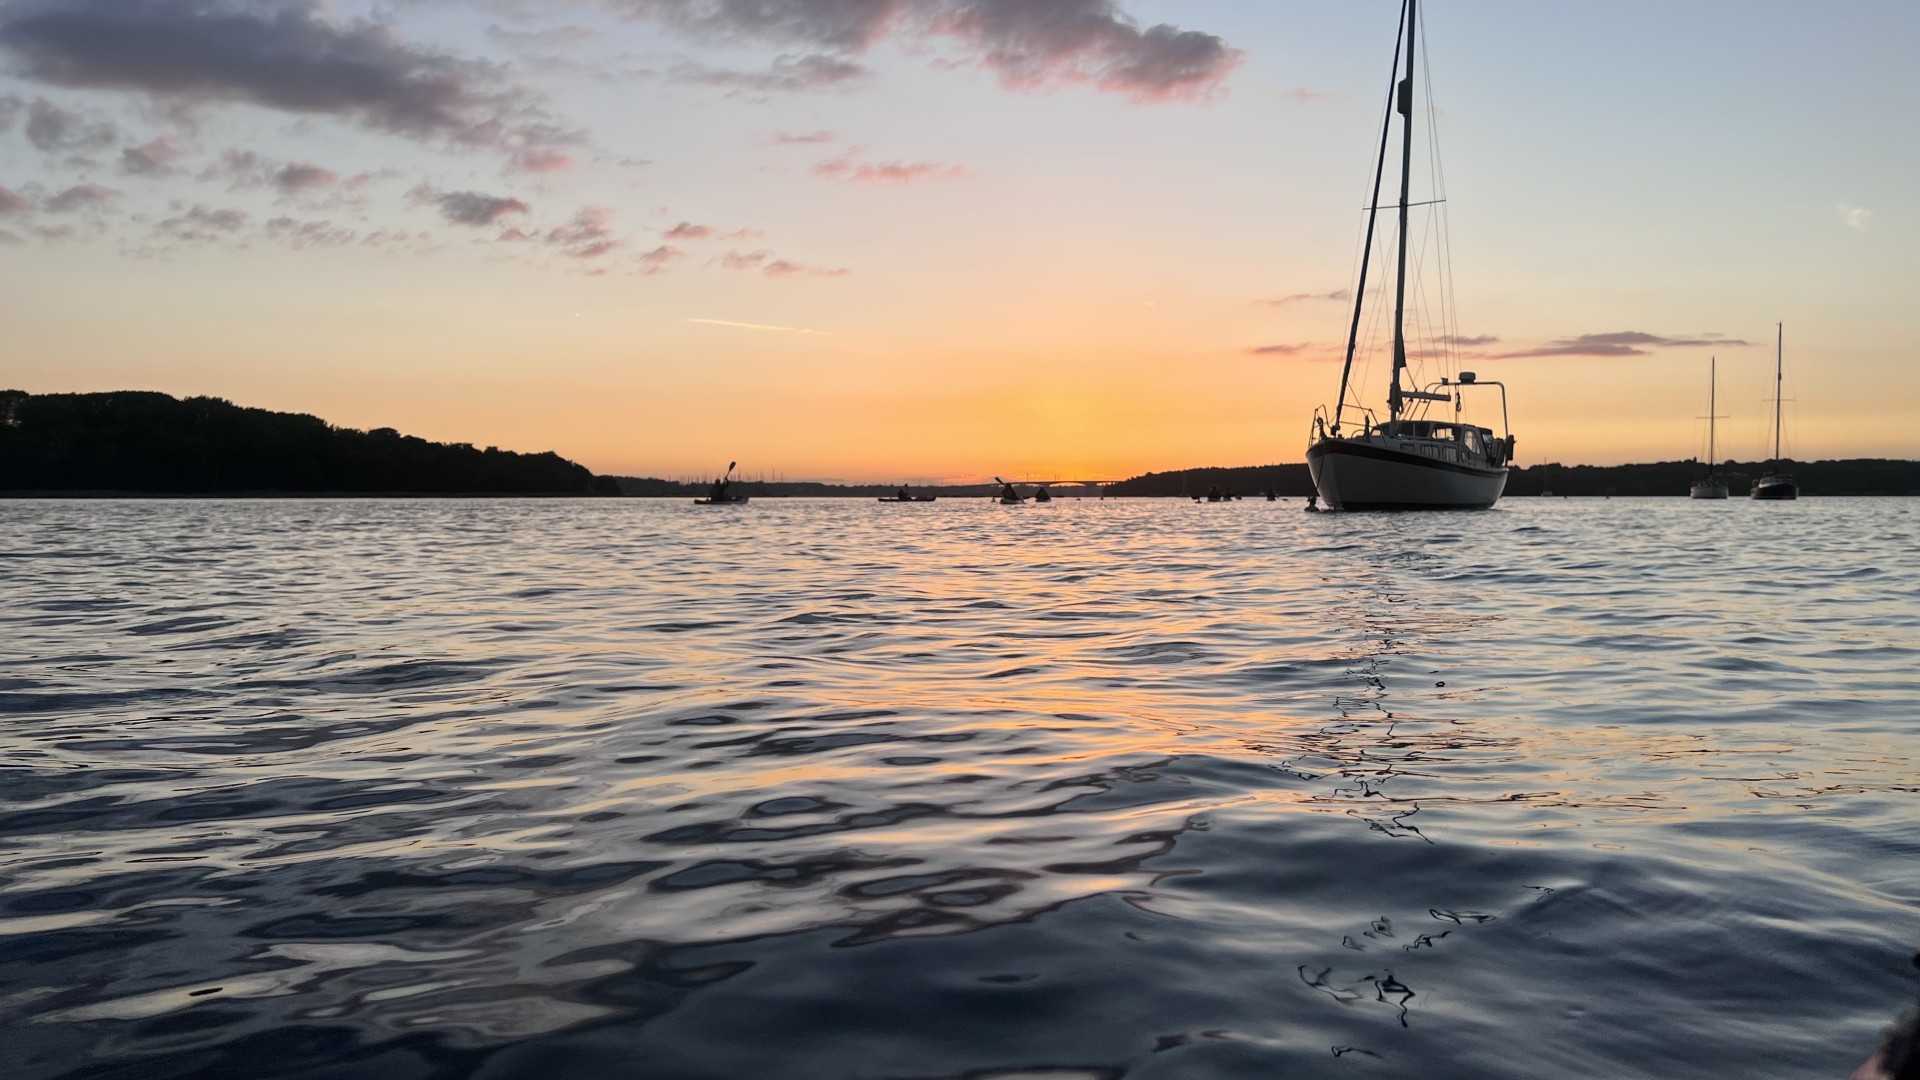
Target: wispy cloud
80	197
811	138
153	158
471	208
845	167
12	202
780	268
1336	296
1278	350
787	74
589	234
1854	217
53	129
659	259
1621	343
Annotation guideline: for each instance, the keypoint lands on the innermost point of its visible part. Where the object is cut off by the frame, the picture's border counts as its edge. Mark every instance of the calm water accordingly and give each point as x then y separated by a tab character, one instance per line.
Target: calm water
1141	789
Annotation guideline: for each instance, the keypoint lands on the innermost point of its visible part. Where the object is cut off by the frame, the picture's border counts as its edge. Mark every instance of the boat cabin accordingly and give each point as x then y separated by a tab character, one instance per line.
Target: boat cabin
1445	441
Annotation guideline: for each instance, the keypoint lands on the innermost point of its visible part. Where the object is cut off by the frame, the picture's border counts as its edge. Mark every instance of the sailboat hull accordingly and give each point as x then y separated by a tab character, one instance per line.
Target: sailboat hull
1354	475
1708	489
1775	489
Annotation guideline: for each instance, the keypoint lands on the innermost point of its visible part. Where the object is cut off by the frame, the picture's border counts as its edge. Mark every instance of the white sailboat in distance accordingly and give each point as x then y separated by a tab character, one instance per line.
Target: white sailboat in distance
1412	460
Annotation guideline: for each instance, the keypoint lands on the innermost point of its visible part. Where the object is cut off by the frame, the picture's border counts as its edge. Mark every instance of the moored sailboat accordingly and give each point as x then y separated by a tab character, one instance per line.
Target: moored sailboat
1776	486
1410	461
1711	487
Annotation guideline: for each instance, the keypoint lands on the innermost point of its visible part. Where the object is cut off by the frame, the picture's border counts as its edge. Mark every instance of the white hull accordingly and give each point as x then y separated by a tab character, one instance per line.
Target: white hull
1353	475
1706	490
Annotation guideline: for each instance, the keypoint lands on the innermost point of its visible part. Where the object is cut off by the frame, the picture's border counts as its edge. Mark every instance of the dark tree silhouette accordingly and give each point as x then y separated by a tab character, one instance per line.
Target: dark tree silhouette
151	443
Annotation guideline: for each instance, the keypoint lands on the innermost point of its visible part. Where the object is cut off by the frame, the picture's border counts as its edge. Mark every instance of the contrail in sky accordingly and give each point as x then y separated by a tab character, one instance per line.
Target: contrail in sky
756	326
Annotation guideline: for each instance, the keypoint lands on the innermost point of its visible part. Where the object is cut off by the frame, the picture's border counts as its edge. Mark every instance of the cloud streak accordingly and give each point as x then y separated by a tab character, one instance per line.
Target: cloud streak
845	167
1619	343
787	74
1030	45
1303	297
756	326
470	208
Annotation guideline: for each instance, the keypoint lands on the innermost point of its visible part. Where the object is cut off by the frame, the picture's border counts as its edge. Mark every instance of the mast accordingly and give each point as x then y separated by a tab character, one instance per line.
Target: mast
1779	344
1713	383
1406	182
1366	249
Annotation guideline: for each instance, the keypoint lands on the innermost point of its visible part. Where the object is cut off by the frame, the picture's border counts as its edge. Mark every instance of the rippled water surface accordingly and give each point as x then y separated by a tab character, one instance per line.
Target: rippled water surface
831	789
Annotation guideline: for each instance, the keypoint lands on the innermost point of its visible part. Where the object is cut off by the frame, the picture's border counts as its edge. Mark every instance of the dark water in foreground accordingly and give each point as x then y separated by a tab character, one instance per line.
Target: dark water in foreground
837	790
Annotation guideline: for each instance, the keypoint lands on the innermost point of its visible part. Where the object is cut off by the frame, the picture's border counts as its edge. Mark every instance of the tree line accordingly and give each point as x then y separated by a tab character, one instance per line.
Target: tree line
139	442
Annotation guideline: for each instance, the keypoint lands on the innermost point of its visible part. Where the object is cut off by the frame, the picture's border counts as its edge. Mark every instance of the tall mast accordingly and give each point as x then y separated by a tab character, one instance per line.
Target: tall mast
1779	344
1713	384
1406	183
1366	249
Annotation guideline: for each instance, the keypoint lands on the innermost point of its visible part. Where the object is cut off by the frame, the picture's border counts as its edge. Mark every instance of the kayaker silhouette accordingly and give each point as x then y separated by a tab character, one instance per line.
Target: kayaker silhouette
719	492
1007	492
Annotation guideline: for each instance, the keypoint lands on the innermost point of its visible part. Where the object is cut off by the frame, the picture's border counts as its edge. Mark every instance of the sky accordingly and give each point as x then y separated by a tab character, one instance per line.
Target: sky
929	240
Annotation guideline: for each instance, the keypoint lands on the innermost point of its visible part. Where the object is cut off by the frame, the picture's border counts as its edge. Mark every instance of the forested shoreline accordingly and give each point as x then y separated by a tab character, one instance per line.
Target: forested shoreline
144	443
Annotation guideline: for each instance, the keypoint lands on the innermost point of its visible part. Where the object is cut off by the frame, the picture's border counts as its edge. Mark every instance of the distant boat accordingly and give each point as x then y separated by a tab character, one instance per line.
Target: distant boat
1043	495
724	500
1712	487
1408	461
1776	486
908	498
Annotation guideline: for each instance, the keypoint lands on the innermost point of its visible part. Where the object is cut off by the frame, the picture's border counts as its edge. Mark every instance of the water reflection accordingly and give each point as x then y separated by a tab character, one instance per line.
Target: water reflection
1125	789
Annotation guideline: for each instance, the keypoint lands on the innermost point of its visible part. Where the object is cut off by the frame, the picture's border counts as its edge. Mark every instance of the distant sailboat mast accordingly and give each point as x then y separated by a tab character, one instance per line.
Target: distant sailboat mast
1779	384
1713	385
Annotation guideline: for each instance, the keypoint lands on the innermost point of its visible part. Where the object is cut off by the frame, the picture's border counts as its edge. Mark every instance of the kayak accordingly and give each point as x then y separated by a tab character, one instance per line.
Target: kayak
910	498
1014	501
724	500
1042	496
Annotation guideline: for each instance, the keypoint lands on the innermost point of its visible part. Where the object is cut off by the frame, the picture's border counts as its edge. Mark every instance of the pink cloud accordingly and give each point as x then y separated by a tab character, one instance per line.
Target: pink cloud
659	259
588	235
687	230
845	167
153	158
780	268
81	197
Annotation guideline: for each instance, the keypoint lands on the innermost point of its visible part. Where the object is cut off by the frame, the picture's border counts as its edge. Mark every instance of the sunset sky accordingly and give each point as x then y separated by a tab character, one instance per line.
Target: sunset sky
946	239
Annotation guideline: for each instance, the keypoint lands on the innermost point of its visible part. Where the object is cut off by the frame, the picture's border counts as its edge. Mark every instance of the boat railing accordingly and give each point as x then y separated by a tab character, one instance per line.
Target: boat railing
1450	389
1323	429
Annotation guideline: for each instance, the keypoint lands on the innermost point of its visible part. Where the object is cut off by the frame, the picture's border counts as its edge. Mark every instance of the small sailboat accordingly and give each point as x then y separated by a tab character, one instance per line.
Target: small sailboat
1712	487
1776	486
1409	461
